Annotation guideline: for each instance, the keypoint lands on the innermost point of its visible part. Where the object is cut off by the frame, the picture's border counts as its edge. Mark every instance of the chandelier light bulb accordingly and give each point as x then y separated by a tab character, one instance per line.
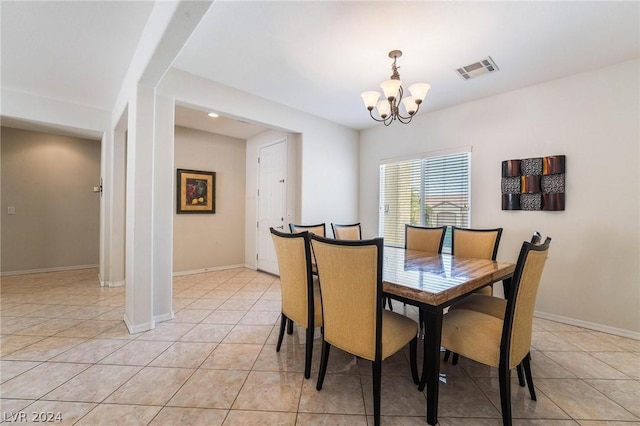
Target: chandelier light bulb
419	91
410	104
370	99
391	88
384	108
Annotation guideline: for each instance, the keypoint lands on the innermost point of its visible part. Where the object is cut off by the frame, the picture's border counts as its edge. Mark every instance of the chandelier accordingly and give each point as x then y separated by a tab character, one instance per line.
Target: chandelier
389	107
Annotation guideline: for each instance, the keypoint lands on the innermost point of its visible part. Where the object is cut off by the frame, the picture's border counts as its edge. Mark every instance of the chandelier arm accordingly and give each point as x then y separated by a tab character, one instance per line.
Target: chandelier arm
409	117
386	121
404	120
377	119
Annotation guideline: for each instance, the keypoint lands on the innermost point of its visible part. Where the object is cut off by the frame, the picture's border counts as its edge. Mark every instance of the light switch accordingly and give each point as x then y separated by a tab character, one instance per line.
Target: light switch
11	210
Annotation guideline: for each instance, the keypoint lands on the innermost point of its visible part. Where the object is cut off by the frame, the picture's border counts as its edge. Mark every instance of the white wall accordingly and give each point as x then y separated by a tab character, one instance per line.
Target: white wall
329	181
49	180
209	241
328	152
592	277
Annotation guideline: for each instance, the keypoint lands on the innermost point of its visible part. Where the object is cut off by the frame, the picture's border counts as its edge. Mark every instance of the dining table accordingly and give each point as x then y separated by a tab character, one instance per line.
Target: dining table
432	282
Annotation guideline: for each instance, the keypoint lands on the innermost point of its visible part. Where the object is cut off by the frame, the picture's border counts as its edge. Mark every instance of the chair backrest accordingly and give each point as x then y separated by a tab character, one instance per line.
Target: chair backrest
476	243
351	287
296	280
423	238
346	232
318	229
536	237
518	322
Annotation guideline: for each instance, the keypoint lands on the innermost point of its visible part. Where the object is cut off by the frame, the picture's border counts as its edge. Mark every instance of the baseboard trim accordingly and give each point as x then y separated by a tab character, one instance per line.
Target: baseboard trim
163	317
138	328
43	270
211	269
589	325
112	283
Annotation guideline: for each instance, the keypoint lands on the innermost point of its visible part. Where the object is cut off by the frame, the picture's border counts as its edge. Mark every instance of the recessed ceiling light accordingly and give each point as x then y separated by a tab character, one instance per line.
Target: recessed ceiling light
213	115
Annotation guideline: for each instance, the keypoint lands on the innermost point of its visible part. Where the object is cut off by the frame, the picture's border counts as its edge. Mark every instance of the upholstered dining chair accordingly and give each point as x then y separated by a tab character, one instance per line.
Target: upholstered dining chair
353	232
424	238
475	243
301	302
353	313
494	306
346	232
502	338
318	229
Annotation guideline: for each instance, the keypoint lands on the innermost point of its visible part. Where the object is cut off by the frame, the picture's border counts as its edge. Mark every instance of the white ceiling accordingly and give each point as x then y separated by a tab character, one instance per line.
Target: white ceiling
318	56
198	119
70	50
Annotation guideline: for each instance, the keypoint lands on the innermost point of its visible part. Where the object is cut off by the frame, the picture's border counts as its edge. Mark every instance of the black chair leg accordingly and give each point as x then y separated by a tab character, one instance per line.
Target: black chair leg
324	358
413	359
377	379
454	361
390	305
308	353
290	327
447	354
283	324
526	362
504	377
520	375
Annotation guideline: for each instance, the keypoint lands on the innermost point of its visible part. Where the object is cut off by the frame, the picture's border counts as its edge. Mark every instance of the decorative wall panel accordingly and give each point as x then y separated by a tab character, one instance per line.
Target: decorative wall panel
534	183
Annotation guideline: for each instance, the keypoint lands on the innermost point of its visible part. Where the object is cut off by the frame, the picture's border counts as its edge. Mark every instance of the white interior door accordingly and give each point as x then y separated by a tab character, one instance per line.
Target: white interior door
272	201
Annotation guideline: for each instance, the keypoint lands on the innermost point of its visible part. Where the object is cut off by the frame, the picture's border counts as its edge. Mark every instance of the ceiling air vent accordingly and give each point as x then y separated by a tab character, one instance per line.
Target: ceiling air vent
476	69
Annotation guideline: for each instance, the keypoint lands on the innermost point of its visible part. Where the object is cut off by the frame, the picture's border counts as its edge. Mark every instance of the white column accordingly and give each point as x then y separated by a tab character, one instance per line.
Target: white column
139	211
118	202
112	209
149	170
164	178
105	207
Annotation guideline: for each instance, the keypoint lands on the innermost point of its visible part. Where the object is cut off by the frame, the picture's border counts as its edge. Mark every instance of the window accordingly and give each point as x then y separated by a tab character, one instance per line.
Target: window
432	190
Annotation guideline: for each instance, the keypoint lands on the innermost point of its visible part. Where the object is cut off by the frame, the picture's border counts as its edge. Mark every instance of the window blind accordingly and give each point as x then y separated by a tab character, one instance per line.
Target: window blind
427	191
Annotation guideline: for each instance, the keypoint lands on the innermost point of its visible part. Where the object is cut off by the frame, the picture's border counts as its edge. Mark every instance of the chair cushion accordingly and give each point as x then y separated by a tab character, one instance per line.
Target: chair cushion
490	305
473	335
397	331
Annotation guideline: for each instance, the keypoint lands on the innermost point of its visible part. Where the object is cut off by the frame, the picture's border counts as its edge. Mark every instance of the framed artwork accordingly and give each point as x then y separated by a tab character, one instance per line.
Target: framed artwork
196	191
534	183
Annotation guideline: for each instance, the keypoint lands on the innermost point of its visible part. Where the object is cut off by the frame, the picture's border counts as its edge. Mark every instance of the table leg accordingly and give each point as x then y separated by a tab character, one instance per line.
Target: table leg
431	362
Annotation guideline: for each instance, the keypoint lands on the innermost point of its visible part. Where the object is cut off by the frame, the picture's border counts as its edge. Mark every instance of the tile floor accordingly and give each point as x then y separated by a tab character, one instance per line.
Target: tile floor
66	354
